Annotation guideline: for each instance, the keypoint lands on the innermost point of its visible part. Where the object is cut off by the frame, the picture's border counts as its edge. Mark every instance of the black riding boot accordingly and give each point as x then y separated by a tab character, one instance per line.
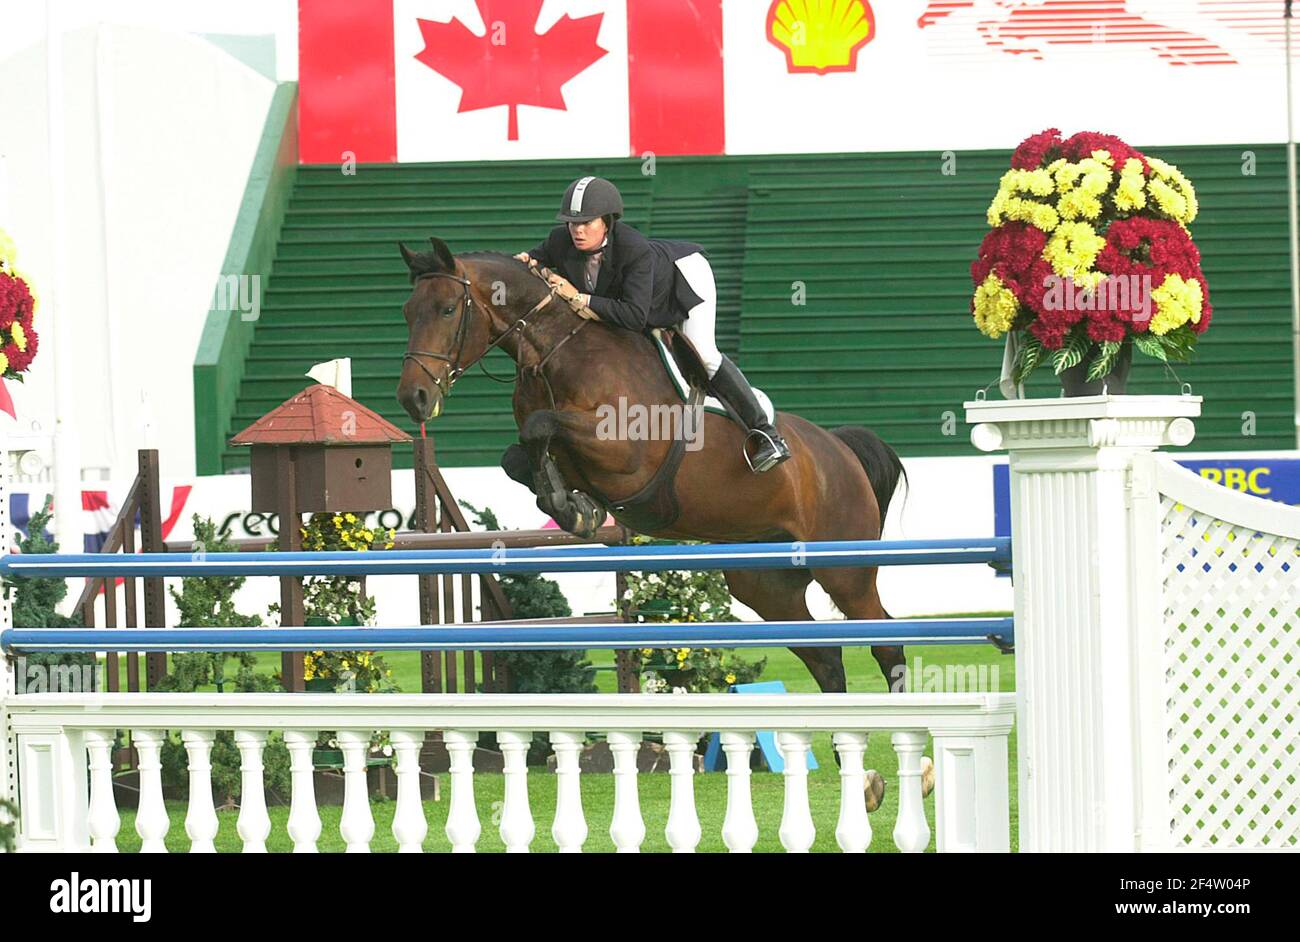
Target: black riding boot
730	385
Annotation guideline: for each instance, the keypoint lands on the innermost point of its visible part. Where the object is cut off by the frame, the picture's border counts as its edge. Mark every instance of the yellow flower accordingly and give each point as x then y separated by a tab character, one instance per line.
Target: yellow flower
4	364
1177	302
1130	193
20	338
337	520
646	652
350	518
995	307
1173	192
730	678
1072	249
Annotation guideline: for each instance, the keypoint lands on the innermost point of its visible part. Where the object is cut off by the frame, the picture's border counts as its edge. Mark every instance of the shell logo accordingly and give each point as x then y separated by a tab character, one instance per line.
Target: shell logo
820	35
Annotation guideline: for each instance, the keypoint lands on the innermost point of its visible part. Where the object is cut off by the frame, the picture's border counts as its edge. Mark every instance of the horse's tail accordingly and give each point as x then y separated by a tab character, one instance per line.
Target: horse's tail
881	463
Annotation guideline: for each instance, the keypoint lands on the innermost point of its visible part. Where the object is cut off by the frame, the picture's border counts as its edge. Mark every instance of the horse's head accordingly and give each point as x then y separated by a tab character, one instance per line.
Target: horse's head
442	334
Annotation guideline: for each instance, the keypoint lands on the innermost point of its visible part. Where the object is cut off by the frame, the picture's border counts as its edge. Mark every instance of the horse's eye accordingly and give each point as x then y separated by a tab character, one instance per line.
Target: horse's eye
449	310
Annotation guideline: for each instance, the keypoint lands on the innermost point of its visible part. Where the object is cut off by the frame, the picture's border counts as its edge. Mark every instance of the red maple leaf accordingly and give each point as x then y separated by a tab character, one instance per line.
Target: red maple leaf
511	64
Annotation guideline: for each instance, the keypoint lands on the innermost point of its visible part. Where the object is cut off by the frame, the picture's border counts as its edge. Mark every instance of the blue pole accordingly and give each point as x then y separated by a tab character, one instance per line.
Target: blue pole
517	637
796	555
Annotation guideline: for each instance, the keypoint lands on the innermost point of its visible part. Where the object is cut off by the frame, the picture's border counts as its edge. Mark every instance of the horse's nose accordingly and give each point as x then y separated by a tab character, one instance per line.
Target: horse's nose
421	397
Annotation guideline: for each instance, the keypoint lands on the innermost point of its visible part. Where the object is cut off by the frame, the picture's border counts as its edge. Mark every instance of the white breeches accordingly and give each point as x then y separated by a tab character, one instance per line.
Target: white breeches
698	328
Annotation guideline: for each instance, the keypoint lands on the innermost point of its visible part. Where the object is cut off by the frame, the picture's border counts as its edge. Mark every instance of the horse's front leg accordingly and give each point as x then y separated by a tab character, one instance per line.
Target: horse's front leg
573	510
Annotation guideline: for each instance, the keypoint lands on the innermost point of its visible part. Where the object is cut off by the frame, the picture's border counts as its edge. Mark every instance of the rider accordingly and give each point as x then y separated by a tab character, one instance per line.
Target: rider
638	283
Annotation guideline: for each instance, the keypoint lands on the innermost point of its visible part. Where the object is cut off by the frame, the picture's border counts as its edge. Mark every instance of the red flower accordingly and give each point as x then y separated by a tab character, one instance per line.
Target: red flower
1081	145
1037	150
1012	247
15	299
1102	325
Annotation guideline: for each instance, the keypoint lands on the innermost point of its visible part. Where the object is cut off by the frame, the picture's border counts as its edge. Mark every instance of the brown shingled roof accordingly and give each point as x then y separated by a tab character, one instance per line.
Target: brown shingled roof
316	416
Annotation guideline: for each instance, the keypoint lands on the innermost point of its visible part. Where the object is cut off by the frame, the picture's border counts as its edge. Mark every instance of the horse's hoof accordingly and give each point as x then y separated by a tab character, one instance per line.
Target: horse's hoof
873	792
927	776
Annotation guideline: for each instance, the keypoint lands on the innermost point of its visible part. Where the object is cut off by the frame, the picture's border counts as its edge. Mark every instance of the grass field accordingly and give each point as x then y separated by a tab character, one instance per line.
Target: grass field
598	790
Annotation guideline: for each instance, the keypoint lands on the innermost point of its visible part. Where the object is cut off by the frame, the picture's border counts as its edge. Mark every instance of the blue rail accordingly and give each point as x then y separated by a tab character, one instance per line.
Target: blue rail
842	553
518	637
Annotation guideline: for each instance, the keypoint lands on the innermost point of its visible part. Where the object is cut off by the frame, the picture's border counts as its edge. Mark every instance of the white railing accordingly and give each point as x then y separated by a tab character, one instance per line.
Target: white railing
65	742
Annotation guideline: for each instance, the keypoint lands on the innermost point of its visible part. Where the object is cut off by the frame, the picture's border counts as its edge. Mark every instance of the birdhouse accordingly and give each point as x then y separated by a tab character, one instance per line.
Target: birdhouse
336	453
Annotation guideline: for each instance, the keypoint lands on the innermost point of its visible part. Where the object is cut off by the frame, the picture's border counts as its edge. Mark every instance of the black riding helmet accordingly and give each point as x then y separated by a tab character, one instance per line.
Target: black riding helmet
590	197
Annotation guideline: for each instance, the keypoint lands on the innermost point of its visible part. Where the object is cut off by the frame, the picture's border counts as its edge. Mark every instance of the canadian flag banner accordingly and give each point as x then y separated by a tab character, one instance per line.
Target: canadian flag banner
430	80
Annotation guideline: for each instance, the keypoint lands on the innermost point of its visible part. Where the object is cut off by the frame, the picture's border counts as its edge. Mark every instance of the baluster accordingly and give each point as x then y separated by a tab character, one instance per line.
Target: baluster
570	827
853	831
201	818
463	827
304	819
254	825
683	830
104	820
797	829
517	828
357	825
739	829
627	830
409	825
151	821
911	832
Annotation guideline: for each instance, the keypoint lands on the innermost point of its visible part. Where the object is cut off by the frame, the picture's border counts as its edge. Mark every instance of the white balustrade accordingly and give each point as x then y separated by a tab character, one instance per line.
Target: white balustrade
409	824
62	746
254	825
304	820
627	829
739	828
570	827
463	827
104	820
357	825
201	820
853	830
517	828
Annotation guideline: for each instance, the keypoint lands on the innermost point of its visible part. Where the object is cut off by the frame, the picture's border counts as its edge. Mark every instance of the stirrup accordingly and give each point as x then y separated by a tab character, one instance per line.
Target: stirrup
778	454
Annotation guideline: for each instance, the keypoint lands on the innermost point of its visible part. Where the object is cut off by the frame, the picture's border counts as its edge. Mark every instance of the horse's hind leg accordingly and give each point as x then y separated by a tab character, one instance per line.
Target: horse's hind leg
854	593
778	595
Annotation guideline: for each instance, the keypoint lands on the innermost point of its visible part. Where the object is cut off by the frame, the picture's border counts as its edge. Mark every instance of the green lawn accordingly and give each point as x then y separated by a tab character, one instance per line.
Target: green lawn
598	790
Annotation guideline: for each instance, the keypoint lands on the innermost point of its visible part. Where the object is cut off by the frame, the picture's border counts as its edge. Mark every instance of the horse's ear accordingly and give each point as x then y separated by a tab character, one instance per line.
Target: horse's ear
443	253
408	256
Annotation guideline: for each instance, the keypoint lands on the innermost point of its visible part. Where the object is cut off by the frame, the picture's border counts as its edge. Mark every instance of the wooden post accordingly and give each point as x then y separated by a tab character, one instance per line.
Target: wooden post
291	606
430	662
151	541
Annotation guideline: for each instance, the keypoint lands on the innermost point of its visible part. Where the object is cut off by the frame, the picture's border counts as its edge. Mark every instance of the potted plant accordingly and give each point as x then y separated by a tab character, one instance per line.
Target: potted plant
1089	257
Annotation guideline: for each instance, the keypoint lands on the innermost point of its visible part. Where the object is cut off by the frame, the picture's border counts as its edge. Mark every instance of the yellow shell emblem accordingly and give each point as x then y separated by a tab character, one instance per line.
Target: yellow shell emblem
820	35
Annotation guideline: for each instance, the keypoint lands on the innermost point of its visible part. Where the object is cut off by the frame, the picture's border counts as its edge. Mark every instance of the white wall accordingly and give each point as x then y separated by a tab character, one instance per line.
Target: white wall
161	129
25	22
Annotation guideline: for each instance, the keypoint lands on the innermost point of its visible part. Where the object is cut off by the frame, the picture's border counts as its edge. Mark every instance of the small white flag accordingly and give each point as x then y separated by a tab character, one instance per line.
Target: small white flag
336	373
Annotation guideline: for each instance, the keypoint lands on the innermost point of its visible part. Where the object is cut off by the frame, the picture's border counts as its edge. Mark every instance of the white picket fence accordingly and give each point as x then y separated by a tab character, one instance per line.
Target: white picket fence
62	737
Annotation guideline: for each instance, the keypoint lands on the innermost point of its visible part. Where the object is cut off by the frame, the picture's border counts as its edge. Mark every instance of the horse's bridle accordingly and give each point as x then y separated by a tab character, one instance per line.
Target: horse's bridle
462	333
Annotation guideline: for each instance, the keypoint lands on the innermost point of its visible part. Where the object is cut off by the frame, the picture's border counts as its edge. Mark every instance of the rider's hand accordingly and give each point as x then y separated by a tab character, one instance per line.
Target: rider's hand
525	258
583	310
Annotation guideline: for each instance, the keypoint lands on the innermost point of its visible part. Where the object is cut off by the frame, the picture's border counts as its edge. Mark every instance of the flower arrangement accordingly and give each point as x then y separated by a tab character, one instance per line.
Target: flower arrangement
1089	253
341	600
18	338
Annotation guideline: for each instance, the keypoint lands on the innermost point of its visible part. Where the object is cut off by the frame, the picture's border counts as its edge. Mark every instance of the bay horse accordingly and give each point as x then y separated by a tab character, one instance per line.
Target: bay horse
836	486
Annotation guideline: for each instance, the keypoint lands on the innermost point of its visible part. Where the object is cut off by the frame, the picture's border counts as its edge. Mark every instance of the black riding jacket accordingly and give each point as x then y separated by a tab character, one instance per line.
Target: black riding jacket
638	285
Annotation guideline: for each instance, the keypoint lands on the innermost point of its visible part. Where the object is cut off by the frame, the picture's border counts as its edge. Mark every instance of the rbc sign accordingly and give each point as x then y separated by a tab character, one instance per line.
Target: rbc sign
1271	478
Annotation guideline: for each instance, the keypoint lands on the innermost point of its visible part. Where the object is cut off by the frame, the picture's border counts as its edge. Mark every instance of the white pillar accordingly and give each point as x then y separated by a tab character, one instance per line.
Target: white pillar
1075	570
